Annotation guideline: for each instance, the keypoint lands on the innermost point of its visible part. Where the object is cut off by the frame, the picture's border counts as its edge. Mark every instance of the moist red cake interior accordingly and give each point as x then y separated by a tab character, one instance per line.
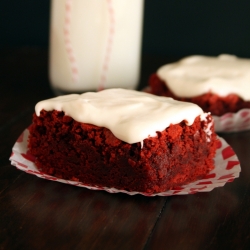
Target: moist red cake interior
82	152
209	102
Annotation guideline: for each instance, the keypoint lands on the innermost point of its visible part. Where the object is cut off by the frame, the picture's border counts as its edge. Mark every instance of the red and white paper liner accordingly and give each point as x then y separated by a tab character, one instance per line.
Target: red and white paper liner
227	168
233	122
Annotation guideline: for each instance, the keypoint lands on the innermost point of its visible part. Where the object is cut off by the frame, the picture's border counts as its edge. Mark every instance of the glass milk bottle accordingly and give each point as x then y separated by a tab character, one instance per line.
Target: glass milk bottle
95	44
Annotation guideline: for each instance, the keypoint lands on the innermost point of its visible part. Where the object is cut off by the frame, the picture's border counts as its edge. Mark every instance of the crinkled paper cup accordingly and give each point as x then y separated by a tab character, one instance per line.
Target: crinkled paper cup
227	168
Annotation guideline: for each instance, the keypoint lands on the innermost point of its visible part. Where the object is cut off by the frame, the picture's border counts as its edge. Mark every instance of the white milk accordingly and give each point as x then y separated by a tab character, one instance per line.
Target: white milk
95	44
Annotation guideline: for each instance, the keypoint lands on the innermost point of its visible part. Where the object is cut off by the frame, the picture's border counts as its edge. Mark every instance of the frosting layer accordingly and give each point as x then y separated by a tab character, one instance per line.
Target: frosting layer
132	116
197	75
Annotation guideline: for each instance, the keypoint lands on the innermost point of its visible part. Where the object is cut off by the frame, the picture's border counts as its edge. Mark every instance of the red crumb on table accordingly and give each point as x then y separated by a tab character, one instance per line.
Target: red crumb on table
209	102
82	152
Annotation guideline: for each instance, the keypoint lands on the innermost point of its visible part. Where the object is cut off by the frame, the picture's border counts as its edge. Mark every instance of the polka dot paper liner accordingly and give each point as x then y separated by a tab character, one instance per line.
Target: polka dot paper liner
227	168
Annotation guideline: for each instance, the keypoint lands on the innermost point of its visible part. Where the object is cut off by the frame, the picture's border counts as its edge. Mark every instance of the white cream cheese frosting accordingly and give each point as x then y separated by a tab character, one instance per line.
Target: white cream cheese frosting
196	75
132	116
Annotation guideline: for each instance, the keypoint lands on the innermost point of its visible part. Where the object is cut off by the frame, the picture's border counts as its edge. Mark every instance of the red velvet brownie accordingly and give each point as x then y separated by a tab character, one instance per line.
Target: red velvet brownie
67	147
218	85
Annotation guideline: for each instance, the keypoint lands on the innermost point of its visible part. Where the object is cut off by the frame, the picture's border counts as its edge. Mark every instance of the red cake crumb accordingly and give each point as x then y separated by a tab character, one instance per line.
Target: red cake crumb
90	154
209	102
